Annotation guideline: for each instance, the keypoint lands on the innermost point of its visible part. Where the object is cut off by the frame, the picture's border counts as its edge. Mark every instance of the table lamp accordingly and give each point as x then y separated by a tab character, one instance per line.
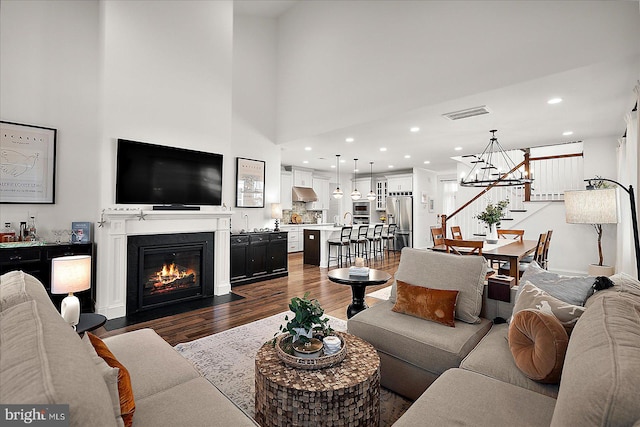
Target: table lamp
70	274
276	213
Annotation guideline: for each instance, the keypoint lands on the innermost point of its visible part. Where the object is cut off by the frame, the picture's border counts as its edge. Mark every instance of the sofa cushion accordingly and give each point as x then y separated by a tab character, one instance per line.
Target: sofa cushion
534	297
601	378
492	357
572	289
436	270
437	305
427	345
153	364
464	398
538	342
44	362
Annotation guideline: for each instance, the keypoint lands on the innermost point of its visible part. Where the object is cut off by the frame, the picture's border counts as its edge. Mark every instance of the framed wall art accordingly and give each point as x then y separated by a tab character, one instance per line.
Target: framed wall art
27	163
249	183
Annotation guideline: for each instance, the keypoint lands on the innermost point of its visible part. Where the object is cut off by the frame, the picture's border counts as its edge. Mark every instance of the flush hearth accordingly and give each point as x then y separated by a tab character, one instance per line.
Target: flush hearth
165	269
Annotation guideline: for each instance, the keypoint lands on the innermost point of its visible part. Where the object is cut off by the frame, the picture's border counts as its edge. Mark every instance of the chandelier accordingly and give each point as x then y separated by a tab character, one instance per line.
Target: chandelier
485	173
355	194
337	193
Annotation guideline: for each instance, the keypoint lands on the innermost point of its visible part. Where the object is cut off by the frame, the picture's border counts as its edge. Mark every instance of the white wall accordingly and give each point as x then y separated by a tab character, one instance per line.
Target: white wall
49	76
424	182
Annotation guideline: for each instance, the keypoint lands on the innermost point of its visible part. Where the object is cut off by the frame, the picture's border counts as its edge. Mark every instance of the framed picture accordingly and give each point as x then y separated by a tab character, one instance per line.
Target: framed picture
249	183
80	232
27	163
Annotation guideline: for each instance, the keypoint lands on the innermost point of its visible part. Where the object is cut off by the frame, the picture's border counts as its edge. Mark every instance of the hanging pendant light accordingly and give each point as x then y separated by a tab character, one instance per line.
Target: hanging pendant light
355	194
485	173
371	195
337	193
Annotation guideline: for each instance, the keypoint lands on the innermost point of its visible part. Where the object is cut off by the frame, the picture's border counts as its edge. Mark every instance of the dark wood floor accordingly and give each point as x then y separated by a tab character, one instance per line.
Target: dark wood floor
262	299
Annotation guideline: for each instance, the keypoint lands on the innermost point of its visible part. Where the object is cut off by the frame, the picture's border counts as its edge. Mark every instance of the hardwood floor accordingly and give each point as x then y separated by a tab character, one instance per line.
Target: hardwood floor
261	299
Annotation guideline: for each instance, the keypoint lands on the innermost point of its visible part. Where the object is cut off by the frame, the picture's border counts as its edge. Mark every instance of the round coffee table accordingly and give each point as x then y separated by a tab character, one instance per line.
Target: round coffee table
347	394
358	286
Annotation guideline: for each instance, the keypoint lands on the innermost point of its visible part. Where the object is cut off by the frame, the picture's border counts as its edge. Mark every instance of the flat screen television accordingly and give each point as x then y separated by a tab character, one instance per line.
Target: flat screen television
168	176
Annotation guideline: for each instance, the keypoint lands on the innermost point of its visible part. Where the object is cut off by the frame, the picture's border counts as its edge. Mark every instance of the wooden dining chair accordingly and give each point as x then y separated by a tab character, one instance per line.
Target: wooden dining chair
537	256
511	234
456	233
437	235
545	250
464	247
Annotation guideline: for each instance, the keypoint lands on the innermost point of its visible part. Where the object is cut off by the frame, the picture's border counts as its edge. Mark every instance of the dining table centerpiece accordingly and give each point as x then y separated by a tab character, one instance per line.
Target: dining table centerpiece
491	216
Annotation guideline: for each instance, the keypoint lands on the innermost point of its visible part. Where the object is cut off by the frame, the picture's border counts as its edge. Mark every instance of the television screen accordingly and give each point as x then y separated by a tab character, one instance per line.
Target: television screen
156	174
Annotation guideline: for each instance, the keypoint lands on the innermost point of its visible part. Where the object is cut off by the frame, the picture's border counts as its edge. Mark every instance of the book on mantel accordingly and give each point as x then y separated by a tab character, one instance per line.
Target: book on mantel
358	271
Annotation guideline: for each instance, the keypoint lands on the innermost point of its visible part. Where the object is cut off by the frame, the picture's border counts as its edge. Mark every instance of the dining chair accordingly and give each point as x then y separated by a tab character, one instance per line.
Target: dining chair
343	242
545	250
437	235
464	247
511	234
536	256
456	233
361	242
390	238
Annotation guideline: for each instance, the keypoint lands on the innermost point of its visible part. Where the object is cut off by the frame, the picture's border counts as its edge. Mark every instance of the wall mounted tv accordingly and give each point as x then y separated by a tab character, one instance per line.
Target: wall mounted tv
173	177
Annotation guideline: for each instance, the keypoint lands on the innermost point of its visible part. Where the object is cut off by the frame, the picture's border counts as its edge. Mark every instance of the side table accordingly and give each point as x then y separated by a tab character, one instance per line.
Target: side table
347	394
90	322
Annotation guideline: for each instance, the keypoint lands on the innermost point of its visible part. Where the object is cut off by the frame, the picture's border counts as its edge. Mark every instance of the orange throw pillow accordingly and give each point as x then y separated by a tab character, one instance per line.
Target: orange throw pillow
437	305
538	342
125	392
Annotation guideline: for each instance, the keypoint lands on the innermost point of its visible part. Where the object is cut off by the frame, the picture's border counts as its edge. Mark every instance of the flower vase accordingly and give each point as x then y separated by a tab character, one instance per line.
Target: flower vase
302	332
492	236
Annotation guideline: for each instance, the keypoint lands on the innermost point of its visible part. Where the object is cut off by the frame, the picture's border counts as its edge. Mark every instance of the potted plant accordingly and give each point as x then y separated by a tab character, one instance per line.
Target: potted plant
492	216
307	319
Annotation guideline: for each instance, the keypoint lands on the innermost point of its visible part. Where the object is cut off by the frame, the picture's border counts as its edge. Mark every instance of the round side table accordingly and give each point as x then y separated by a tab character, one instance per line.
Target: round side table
347	394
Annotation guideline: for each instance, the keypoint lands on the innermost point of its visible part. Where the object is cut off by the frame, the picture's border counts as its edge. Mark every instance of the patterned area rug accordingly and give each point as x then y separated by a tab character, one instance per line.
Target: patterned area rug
226	359
383	293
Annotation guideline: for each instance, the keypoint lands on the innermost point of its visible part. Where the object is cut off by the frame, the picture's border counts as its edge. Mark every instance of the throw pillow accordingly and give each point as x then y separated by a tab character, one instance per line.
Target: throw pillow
571	289
533	297
125	392
538	343
437	305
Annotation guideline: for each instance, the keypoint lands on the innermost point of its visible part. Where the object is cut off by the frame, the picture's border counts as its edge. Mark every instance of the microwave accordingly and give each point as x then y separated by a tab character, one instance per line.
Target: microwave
361	208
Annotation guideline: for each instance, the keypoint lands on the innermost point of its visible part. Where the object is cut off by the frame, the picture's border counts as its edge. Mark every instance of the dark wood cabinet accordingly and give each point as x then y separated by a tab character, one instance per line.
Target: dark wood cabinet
258	256
36	260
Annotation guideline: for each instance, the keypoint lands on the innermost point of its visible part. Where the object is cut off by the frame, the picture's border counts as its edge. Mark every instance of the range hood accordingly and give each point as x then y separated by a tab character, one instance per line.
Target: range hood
303	194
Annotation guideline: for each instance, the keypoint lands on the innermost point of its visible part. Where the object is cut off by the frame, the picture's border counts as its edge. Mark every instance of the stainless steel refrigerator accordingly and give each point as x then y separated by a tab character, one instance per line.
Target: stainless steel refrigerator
400	212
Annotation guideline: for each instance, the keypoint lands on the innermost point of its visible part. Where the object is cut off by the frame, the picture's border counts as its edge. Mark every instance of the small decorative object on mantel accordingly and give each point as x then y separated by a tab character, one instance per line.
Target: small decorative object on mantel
80	232
492	216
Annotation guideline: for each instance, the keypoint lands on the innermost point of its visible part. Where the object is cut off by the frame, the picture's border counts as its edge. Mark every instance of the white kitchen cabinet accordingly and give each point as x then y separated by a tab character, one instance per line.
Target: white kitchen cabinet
295	242
286	182
321	187
397	183
302	178
381	194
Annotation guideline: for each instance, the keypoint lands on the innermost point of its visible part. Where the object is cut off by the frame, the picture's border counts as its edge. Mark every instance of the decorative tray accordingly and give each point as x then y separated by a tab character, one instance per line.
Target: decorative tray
284	350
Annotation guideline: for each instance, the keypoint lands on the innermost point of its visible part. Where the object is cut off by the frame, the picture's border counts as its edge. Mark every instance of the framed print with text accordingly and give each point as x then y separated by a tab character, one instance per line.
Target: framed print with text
27	163
249	183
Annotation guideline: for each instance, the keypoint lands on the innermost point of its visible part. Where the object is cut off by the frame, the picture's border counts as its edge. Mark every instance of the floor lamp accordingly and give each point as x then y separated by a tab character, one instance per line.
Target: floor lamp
634	215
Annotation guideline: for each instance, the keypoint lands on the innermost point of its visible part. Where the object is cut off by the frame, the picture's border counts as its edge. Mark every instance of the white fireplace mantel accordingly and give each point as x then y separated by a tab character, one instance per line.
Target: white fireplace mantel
118	224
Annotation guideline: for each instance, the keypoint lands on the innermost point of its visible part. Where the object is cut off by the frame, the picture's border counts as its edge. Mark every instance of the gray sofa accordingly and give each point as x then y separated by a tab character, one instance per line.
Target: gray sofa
600	381
45	362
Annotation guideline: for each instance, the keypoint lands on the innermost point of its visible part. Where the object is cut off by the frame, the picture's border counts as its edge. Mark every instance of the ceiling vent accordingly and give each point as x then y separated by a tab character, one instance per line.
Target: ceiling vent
469	112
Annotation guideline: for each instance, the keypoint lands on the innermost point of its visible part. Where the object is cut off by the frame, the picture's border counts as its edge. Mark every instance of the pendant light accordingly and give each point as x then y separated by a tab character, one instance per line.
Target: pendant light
371	196
484	173
355	194
337	193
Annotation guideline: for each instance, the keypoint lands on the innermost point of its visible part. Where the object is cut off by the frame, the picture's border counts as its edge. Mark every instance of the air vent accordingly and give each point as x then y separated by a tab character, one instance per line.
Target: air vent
469	112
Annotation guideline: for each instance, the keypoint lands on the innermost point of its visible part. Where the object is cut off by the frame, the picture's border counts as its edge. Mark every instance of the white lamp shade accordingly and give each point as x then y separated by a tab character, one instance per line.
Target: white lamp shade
70	274
591	206
276	211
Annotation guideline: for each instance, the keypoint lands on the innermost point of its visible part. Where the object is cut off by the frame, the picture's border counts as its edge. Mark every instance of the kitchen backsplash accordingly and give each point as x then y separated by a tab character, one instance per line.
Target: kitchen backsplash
300	208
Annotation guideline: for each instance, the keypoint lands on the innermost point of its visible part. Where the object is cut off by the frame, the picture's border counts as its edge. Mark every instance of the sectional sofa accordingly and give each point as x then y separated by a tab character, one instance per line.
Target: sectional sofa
467	375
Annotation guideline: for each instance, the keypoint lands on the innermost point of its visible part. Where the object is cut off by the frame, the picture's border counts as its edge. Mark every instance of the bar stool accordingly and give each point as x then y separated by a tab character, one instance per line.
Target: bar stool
390	238
375	241
361	242
344	240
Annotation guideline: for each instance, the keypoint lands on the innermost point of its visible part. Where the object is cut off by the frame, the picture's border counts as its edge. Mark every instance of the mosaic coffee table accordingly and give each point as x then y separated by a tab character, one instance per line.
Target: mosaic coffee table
347	394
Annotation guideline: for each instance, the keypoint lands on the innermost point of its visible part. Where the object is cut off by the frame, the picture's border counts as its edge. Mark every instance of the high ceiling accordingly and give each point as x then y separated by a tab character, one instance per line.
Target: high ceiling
596	91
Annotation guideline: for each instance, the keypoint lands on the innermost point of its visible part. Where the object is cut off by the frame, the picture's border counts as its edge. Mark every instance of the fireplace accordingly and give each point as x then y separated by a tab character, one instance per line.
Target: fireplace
165	269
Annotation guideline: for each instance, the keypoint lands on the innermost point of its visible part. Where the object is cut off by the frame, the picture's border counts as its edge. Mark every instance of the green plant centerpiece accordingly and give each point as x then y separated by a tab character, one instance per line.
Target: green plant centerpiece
492	216
307	319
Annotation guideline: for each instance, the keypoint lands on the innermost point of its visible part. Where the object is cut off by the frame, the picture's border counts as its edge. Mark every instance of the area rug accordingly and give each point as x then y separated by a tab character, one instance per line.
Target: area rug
383	293
226	359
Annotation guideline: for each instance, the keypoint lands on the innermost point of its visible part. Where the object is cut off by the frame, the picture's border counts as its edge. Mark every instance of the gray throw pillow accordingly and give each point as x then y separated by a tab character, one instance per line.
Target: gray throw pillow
571	289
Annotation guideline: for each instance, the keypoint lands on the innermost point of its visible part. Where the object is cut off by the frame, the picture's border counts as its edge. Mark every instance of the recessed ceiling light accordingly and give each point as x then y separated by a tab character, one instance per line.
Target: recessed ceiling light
458	148
554	101
307	148
383	148
349	139
342	160
390	166
305	161
415	129
567	133
426	162
407	156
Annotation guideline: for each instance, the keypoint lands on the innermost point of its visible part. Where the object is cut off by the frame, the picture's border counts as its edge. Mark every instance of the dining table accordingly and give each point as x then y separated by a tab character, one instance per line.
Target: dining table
509	250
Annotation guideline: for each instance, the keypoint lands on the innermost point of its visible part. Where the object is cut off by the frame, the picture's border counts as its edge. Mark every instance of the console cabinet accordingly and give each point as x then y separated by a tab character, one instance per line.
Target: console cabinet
36	260
258	256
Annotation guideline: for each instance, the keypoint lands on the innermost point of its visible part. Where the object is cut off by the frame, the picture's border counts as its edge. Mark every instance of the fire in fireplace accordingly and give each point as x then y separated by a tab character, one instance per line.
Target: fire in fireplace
168	268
